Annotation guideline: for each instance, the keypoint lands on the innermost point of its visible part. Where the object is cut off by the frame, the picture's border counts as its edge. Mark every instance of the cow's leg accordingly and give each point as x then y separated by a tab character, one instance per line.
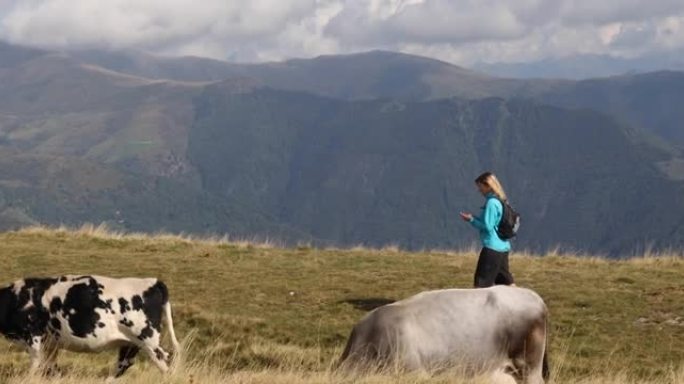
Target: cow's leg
151	346
500	376
126	358
36	353
535	348
51	361
50	348
158	356
527	353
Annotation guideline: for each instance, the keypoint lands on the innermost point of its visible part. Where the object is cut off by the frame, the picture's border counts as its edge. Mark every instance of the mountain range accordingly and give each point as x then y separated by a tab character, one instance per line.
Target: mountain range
373	148
585	66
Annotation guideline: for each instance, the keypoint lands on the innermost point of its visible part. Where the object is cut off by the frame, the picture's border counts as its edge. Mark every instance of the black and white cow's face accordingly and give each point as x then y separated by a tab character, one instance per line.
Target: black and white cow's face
20	318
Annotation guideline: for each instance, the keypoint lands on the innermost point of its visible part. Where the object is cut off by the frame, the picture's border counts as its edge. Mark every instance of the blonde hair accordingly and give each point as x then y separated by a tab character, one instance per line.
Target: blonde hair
490	180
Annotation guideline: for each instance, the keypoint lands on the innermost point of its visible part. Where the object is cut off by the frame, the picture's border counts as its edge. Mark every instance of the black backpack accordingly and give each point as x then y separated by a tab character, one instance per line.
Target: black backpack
510	222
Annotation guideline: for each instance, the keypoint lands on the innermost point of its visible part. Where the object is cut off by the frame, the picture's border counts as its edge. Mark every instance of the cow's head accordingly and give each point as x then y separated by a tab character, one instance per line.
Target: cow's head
7	304
15	321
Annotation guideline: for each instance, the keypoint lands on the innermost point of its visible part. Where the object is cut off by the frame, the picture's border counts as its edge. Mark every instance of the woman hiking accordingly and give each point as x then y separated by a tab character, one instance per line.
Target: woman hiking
492	266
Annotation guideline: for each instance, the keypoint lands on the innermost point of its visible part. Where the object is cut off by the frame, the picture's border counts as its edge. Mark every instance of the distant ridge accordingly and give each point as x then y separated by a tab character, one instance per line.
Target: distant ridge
372	148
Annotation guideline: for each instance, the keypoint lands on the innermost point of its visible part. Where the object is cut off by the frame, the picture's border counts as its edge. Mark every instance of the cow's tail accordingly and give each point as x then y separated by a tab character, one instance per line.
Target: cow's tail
168	320
546	369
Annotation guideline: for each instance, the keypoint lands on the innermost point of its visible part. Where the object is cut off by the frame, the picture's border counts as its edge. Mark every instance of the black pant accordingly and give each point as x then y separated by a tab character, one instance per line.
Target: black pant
492	268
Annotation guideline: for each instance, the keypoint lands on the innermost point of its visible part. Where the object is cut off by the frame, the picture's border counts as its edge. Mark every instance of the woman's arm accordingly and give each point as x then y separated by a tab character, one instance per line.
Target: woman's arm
488	220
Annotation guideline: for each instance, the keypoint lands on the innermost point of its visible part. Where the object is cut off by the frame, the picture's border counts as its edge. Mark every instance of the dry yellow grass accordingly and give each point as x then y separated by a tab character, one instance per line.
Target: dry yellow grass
202	372
263	314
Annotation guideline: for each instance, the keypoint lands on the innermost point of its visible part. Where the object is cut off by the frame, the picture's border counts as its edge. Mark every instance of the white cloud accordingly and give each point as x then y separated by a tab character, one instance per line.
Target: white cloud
210	25
426	22
462	31
608	11
634	35
670	33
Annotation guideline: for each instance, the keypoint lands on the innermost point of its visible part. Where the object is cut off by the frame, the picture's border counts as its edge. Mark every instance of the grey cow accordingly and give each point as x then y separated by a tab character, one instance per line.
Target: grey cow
488	330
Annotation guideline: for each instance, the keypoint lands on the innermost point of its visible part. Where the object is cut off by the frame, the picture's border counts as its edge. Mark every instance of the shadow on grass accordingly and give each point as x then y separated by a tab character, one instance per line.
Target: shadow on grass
368	304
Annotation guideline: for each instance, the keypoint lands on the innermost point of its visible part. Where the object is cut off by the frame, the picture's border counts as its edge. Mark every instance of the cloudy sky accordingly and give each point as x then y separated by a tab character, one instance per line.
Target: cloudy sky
459	31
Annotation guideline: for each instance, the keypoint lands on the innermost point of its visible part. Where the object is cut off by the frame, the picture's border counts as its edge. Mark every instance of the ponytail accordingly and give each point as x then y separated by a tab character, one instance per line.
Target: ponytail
490	180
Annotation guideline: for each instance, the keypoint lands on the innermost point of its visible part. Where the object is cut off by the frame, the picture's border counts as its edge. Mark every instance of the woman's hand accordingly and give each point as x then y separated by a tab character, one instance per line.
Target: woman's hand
466	216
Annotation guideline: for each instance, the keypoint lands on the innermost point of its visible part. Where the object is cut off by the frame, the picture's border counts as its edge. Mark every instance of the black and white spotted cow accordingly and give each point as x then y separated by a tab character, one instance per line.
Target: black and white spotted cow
87	314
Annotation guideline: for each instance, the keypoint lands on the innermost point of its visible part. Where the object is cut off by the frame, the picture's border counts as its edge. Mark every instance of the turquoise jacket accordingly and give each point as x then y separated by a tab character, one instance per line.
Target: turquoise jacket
487	222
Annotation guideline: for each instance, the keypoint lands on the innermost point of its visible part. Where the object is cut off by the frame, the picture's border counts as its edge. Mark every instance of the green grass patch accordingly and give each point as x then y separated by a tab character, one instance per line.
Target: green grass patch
606	316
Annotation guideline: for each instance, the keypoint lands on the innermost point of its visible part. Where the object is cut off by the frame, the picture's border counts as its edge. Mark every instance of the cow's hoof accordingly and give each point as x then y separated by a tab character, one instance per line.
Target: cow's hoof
53	372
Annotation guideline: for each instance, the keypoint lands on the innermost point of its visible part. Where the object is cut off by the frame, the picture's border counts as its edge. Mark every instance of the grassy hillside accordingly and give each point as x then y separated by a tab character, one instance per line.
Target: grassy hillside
374	172
650	101
257	313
